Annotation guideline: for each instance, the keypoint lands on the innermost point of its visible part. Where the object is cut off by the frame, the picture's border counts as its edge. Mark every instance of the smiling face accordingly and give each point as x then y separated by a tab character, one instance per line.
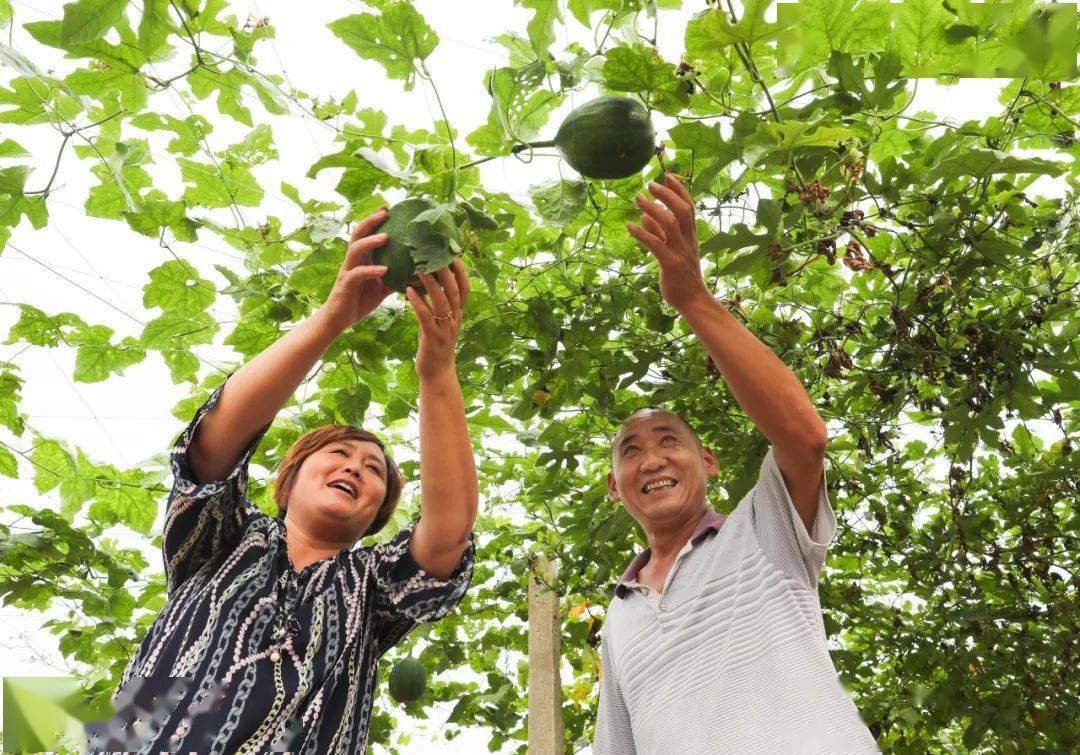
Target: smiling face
339	489
660	470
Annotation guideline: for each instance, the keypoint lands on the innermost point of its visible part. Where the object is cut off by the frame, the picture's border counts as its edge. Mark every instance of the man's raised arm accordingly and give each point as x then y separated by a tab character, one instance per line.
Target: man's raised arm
766	389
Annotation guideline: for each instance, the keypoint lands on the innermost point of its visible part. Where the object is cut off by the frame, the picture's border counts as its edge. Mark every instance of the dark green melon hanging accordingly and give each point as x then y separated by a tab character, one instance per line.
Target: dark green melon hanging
408	679
609	137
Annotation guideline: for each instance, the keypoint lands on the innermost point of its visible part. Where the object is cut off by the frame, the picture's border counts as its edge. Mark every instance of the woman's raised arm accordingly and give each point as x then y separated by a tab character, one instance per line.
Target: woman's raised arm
449	494
256	392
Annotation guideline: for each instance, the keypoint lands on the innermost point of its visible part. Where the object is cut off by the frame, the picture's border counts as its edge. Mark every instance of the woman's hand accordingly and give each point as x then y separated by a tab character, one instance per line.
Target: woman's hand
440	318
358	289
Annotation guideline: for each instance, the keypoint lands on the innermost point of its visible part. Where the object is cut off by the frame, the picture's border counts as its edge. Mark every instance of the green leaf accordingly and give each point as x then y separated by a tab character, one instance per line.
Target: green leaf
434	238
316	273
560	202
155	214
78	489
541	27
360	179
219	185
311	207
9	466
999	250
183	365
769	215
229	85
87	20
123	499
10	417
985	162
52	465
477	218
520	107
705	142
639	68
396	38
37	328
14	204
781	141
920	31
712	29
253	334
9	148
825	26
583	9
154	28
848	75
97	357
254	149
189	132
176	287
37	721
740	237
174	329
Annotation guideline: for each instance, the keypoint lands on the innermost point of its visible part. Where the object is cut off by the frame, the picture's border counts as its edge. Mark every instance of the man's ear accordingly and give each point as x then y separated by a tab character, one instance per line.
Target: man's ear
708	458
612	490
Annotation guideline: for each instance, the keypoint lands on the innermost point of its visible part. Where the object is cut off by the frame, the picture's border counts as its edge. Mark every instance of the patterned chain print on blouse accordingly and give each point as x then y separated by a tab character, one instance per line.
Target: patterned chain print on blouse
250	655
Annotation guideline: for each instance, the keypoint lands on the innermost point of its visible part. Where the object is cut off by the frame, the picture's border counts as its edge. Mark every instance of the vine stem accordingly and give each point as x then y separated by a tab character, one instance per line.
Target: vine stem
68	133
1039	98
748	61
746	56
449	129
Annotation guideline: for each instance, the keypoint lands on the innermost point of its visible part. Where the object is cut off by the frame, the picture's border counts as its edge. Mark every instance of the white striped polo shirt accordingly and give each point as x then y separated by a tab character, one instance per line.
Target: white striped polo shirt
732	656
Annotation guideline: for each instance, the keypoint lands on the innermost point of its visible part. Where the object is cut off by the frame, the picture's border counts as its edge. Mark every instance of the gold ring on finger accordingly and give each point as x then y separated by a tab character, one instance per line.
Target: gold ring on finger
444	317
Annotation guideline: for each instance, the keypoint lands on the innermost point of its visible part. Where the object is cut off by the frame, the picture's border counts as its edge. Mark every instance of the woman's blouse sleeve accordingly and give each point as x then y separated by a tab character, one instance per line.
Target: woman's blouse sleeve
203	520
406	594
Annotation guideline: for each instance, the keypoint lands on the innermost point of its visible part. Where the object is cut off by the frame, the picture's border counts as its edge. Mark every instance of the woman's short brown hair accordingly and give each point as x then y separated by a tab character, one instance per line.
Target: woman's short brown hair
311	442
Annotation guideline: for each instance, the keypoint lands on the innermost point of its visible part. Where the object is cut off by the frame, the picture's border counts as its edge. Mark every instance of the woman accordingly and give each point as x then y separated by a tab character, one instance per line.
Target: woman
272	630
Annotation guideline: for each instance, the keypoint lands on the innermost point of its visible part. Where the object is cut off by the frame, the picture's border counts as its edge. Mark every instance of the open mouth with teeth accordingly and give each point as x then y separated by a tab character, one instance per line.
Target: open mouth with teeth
658	486
343	486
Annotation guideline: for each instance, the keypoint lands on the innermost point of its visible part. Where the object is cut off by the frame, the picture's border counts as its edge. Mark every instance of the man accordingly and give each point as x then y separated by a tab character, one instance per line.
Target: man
714	641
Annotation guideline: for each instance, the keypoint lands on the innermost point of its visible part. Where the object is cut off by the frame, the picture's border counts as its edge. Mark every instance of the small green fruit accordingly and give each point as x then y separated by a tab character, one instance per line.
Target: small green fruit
408	679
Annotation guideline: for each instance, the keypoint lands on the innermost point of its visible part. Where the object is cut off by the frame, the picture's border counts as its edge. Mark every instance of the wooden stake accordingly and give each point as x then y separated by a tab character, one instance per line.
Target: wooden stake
546	734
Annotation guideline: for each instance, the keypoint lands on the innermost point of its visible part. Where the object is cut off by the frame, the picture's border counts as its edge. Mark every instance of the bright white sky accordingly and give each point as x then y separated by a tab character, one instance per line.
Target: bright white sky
97	268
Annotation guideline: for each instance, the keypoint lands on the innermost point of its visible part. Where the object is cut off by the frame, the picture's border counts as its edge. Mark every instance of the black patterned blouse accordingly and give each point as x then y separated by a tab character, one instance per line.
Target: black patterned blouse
249	656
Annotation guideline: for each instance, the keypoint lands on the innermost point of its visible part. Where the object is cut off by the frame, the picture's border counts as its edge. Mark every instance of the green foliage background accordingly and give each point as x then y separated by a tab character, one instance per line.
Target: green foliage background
950	596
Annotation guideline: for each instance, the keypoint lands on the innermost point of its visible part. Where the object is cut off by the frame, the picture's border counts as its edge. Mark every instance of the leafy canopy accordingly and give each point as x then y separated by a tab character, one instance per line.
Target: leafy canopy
920	277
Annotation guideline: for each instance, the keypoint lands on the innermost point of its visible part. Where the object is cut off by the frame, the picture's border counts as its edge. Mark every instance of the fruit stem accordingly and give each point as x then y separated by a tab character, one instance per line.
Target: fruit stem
531	145
521	147
478	162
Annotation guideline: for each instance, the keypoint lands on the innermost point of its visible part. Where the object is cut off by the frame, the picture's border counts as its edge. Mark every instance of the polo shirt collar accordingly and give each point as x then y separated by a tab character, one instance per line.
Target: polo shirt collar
709	523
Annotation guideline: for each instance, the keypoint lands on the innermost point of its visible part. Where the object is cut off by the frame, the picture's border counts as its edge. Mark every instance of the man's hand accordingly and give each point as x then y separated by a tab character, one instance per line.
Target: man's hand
670	234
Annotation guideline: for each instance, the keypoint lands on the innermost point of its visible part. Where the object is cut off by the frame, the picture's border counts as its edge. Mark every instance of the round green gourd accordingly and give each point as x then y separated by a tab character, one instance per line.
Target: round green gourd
609	137
396	253
408	680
